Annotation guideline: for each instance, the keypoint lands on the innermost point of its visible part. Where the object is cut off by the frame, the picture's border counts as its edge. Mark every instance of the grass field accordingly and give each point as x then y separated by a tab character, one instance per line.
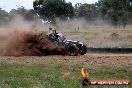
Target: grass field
62	71
102	36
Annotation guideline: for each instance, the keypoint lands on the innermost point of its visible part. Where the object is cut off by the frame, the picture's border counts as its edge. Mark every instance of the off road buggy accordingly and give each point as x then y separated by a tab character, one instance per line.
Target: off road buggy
73	48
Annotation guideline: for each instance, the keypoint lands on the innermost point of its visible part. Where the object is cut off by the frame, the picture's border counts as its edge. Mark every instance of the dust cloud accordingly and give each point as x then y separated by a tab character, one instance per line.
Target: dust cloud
22	38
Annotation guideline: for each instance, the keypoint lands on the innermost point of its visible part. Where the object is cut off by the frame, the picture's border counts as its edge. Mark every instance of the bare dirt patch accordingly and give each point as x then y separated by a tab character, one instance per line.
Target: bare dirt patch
92	60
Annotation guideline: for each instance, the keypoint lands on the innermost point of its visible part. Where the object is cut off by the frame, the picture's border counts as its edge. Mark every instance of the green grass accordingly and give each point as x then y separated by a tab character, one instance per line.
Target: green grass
56	75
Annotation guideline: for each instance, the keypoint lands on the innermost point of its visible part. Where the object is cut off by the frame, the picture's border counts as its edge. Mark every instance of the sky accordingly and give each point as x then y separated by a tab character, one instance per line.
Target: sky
28	4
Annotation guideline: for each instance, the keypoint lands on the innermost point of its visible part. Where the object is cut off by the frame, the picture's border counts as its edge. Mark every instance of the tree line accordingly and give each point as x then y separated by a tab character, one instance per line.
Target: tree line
116	12
6	17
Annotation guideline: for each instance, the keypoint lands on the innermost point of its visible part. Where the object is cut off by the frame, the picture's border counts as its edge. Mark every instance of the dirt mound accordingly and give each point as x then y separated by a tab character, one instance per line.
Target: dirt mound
28	43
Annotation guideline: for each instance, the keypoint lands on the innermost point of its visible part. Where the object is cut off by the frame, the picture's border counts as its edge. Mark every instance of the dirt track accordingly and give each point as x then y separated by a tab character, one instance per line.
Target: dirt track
90	59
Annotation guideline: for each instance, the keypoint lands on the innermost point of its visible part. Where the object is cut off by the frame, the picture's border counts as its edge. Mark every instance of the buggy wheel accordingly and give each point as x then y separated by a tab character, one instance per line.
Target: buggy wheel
72	50
83	50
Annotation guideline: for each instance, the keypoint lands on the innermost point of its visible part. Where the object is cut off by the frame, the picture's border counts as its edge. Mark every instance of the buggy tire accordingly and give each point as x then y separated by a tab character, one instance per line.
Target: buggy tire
83	50
72	50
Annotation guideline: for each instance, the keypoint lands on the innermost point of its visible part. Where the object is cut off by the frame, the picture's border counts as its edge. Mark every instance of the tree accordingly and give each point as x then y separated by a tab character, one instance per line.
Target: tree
116	10
50	9
4	17
77	9
27	14
87	11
